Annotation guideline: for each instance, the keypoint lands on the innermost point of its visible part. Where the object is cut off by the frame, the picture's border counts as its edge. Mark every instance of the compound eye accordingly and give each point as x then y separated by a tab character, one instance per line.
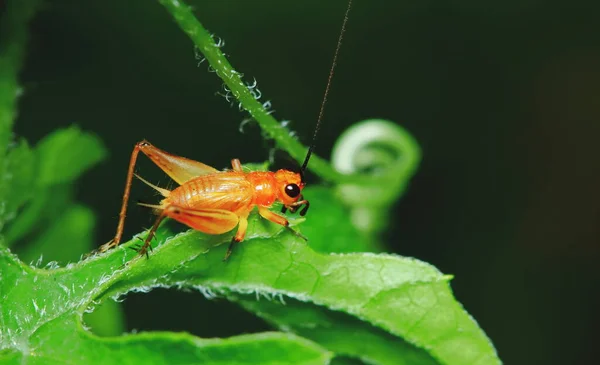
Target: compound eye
292	190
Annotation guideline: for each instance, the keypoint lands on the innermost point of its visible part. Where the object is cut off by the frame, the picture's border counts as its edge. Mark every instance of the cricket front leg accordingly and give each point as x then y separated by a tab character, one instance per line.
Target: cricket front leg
276	218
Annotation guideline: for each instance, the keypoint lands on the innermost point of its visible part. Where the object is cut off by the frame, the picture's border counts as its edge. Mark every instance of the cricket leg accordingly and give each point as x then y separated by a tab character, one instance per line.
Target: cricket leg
147	242
211	221
295	206
239	236
276	218
117	239
236	165
178	168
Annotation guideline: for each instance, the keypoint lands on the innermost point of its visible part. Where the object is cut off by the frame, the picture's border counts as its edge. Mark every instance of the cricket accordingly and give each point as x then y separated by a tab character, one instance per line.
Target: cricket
215	202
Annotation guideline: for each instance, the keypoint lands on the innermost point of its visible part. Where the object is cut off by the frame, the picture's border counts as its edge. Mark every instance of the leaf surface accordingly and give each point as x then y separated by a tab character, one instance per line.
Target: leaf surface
46	174
42	310
65	154
403	297
336	331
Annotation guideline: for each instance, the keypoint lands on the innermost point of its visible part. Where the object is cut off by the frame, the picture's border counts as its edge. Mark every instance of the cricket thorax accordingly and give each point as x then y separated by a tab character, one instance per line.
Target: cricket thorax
264	188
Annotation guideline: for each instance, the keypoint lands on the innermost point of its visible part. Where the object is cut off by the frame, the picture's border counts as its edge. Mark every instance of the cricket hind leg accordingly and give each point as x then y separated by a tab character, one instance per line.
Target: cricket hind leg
130	171
146	246
178	168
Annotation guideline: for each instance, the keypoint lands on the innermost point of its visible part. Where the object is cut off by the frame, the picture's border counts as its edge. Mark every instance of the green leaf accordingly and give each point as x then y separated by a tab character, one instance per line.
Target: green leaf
165	347
408	299
337	332
328	226
65	154
16	186
54	227
74	225
38	213
43	313
60	158
345	361
405	297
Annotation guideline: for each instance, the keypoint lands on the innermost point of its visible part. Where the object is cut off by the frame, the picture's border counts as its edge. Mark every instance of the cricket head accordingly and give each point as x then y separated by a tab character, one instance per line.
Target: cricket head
289	191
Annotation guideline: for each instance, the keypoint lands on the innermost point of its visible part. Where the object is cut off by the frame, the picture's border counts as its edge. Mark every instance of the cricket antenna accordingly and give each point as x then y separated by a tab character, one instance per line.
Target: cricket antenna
333	64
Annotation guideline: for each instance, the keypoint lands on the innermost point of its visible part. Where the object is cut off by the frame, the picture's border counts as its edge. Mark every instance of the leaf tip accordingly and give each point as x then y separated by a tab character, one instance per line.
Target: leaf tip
447	277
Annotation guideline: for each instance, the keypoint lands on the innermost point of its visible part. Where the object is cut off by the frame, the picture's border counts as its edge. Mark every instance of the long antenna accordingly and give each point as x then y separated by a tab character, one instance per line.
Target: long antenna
321	112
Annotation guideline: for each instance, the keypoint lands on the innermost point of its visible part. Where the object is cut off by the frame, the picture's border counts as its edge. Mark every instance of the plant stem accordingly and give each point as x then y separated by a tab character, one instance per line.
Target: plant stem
233	79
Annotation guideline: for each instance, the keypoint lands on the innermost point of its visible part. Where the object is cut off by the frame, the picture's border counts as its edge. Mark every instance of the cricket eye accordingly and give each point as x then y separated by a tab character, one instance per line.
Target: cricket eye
292	190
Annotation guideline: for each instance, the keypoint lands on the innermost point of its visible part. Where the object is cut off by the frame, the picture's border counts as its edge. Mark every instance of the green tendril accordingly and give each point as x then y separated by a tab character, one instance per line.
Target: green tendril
386	153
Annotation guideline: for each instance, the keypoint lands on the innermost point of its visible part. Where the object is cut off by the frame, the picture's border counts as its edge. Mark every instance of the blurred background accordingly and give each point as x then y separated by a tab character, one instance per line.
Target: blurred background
503	97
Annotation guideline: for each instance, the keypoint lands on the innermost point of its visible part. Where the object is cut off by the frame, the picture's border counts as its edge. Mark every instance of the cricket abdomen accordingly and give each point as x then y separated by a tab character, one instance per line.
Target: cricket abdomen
224	190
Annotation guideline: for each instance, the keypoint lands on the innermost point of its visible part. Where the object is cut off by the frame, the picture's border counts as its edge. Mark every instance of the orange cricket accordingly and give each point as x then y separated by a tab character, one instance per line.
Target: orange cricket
213	201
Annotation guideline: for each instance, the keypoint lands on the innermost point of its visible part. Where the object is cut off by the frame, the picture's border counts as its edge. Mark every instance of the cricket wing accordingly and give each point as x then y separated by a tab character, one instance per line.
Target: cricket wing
226	190
180	169
211	221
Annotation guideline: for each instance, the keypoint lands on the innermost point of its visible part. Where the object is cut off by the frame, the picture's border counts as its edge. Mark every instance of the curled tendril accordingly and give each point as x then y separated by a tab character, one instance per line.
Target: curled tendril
385	154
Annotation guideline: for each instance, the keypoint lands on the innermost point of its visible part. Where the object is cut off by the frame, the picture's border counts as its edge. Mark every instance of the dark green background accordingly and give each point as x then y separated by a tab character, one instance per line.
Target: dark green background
503	97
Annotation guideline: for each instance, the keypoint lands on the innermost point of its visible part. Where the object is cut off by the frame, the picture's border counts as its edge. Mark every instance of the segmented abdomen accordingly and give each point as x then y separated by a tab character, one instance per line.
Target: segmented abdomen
225	190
